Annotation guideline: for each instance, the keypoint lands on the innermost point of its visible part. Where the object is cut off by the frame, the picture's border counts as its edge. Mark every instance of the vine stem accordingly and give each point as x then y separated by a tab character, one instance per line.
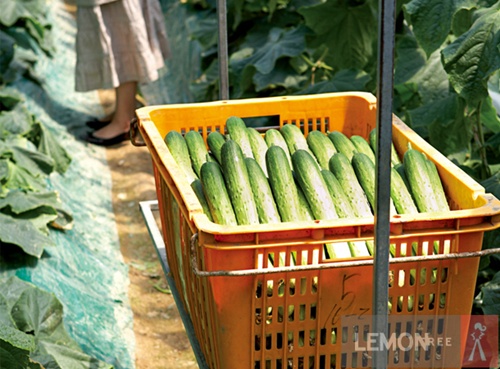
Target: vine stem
486	173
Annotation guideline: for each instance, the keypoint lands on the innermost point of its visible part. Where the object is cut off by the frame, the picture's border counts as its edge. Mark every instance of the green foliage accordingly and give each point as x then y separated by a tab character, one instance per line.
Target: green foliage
24	30
32	332
29	153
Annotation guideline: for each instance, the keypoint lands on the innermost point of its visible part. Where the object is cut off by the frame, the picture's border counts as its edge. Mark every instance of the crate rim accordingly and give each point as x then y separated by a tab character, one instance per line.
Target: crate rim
143	112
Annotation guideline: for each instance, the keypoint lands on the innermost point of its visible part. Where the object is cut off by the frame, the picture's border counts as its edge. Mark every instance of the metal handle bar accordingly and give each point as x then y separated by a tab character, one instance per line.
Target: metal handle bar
340	264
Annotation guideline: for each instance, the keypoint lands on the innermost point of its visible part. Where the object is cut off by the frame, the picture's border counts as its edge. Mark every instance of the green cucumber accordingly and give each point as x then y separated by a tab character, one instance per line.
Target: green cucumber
259	147
294	138
216	194
178	148
402	173
342	168
372	138
318	197
305	209
344	210
322	148
438	186
198	190
341	201
238	183
342	143
262	193
362	145
401	196
273	137
313	185
197	150
237	131
215	140
282	184
364	168
421	184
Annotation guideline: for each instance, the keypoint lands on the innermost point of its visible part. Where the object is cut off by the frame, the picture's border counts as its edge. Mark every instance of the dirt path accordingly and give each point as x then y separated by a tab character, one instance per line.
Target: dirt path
161	341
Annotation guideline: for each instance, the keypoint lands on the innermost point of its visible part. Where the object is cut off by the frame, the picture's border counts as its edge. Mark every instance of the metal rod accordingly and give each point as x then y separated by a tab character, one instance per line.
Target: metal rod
386	39
339	264
147	208
222	50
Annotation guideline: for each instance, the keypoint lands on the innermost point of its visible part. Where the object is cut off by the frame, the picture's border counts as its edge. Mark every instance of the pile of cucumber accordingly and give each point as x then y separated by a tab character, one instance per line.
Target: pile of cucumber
243	177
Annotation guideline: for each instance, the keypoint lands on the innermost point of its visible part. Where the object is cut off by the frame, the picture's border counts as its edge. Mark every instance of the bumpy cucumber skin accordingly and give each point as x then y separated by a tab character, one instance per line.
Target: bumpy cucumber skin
344	210
342	143
401	196
216	194
198	190
342	168
282	184
322	148
238	183
342	205
372	138
177	146
215	140
365	172
421	185
362	145
438	186
305	209
262	193
313	185
273	137
294	138
259	147
197	150
237	131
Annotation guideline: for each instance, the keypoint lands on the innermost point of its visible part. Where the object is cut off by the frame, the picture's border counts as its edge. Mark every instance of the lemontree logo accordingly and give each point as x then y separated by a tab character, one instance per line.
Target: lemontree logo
404	341
410	341
481	345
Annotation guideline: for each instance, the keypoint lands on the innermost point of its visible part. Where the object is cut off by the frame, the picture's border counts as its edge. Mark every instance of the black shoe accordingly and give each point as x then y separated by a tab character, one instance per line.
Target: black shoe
107	141
96	124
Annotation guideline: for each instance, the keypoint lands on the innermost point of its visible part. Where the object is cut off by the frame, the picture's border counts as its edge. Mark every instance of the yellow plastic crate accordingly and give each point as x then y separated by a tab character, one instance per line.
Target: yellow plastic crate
245	321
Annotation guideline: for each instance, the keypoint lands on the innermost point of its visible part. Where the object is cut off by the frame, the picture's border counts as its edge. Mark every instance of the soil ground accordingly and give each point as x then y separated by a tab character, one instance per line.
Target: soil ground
161	340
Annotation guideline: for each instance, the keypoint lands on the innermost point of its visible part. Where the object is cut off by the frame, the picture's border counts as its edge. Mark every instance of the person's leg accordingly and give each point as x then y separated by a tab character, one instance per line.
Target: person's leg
124	112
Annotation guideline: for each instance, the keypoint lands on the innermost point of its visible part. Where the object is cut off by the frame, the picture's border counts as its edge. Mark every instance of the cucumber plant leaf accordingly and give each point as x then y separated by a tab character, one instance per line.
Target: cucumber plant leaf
36	162
442	123
8	98
432	80
17	121
47	144
6	52
343	80
280	43
348	31
283	75
38	339
409	59
15	10
489	116
20	202
471	58
5	317
24	234
431	20
20	178
15	347
491	296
